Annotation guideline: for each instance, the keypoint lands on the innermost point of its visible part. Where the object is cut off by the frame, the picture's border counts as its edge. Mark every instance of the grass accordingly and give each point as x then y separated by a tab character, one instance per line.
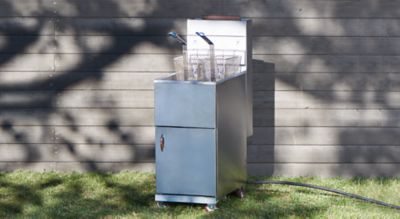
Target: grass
131	195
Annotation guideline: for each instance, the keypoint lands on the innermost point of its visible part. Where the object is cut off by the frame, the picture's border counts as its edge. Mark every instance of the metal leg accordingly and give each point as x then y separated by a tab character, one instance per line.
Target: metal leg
211	207
162	204
240	193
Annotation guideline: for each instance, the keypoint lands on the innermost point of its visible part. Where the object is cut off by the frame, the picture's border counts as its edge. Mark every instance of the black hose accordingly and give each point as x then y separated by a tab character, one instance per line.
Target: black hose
359	197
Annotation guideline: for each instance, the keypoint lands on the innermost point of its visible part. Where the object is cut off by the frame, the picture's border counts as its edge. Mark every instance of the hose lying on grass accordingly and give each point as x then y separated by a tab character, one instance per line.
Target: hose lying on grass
359	197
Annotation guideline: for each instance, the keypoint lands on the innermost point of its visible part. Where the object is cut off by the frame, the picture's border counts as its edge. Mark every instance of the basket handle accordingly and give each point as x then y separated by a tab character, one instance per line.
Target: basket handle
204	37
177	37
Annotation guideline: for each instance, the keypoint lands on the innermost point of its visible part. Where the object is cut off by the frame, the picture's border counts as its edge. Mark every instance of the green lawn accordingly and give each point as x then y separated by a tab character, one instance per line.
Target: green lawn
131	195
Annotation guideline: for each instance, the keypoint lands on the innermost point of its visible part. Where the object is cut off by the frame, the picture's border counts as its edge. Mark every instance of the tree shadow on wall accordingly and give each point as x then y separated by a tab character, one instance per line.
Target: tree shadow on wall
338	75
34	104
343	66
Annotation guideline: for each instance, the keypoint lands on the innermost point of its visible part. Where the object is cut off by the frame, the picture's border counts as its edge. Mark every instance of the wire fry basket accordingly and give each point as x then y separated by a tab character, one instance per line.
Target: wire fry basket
203	66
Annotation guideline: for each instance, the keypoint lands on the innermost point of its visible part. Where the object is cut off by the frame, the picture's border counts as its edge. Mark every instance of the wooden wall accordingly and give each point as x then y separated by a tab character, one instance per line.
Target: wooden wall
76	83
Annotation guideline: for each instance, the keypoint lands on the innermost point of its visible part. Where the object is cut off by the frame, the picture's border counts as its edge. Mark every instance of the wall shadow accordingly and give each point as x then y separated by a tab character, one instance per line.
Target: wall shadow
263	116
338	77
32	112
341	73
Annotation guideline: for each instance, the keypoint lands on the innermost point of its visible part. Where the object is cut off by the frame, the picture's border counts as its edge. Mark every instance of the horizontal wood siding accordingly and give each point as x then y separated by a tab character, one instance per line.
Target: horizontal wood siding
76	83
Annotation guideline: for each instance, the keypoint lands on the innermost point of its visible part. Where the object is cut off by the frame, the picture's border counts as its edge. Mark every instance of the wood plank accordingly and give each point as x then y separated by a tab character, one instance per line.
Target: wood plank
322	154
327	118
326	135
77	166
114	133
12	45
119	26
76	153
117	44
119	80
145	117
23	81
324	170
105	98
23	99
26	136
104	153
21	152
262	45
137	8
326	27
27	166
104	166
11	81
20	98
311	9
286	27
343	81
326	99
326	45
330	63
256	153
26	62
145	99
33	26
74	118
114	62
291	170
22	8
111	133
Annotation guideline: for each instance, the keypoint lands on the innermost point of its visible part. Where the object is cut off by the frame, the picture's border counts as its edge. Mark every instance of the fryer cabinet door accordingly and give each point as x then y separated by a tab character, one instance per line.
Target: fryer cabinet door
185	161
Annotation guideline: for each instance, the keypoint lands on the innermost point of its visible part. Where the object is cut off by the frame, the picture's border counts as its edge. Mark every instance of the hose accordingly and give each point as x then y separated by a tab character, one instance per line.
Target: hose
359	197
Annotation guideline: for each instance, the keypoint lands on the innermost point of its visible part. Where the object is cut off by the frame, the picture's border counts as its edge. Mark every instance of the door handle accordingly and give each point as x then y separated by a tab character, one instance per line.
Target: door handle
162	142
